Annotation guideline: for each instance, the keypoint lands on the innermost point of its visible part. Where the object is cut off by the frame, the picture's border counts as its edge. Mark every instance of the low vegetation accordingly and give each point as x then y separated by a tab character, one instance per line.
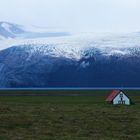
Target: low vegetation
67	118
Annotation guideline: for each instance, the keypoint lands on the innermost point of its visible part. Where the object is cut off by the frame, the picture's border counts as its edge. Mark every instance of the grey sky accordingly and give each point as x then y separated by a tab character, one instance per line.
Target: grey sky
79	15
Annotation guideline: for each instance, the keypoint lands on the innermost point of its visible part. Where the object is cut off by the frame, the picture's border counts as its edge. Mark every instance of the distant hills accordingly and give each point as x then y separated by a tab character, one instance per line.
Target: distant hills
10	30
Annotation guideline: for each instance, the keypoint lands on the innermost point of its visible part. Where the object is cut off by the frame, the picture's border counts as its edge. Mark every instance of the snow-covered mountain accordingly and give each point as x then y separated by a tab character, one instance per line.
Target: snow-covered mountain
81	60
10	30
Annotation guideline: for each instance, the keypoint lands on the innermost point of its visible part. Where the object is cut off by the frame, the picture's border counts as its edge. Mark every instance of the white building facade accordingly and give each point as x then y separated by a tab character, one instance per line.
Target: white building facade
121	98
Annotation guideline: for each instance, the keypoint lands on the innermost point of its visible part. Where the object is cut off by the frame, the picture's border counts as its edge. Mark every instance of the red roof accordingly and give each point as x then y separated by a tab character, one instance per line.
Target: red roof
112	95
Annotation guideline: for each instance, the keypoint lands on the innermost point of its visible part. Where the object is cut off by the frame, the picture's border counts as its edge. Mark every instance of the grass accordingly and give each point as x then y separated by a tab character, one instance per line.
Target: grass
67	118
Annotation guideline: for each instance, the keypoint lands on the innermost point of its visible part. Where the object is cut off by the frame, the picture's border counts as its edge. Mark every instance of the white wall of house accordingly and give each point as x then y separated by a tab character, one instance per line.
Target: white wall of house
124	100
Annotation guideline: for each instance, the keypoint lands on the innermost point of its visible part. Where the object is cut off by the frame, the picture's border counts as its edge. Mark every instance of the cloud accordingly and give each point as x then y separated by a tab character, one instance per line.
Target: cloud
91	15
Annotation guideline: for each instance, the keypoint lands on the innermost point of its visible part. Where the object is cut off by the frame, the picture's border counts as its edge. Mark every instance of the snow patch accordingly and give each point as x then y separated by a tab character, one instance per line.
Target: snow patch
6	27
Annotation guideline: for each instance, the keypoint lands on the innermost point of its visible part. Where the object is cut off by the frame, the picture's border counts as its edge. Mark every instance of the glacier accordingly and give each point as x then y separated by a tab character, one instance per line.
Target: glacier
77	60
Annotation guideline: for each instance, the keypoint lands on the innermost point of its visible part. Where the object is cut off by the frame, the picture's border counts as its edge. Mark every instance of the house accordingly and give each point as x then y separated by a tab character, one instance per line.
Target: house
118	97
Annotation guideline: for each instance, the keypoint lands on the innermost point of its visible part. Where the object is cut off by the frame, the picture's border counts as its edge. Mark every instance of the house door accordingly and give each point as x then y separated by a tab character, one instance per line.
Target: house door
121	102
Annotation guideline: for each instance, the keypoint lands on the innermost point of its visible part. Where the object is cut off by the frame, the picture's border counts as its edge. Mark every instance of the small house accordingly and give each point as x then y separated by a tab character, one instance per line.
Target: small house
118	97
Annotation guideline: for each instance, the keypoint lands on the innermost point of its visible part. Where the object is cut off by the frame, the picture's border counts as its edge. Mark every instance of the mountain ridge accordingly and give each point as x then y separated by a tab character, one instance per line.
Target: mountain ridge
72	61
11	30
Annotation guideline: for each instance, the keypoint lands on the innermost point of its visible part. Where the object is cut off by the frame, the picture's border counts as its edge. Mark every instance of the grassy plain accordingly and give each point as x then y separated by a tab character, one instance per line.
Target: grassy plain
68	118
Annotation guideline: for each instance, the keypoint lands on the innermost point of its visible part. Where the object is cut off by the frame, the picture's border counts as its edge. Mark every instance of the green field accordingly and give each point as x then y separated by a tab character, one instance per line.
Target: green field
68	118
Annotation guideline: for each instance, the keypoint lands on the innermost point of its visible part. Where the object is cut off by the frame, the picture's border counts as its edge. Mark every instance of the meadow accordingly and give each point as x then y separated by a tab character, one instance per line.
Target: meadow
68	117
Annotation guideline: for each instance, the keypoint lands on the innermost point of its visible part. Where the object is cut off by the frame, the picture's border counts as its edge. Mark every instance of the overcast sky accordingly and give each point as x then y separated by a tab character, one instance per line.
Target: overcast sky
79	15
